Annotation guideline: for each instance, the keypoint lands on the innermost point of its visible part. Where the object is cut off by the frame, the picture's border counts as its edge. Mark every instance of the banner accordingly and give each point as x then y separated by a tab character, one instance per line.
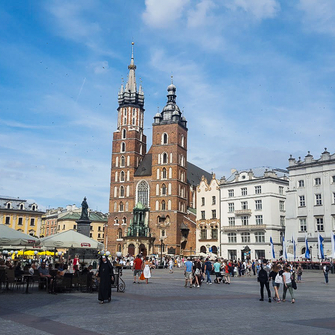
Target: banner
272	248
307	254
294	249
320	247
284	249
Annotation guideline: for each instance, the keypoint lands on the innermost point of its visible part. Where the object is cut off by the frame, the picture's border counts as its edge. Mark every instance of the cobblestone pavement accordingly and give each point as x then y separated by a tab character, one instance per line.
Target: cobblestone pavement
166	306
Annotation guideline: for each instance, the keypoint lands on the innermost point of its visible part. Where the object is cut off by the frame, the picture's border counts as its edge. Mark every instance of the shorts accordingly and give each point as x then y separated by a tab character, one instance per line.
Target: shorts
137	272
188	275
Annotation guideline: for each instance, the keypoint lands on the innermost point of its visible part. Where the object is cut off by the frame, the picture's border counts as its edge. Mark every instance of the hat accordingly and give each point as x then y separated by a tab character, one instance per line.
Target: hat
188	258
103	256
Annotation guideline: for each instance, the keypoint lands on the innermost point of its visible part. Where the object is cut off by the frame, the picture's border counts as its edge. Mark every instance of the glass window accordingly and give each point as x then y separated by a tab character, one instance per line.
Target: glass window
258	189
317	181
303	225
231	237
245	220
203	234
32	222
259	219
318	200
244	205
258	204
301	183
281	190
213	200
202	215
259	237
7	220
163	189
302	202
230	193
214	233
281	205
231	207
231	221
319	224
213	214
244	191
333	179
282	220
20	222
245	237
143	193
202	201
163	205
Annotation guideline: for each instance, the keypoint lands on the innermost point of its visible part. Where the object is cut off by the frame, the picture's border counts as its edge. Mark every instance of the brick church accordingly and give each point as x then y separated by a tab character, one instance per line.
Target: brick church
152	193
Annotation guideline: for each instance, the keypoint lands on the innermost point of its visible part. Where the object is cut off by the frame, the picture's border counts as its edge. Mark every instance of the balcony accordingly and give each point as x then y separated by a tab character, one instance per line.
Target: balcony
243	212
244	228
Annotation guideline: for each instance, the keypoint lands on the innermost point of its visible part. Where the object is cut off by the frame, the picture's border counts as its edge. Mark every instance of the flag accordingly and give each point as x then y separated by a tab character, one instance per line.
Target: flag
272	248
333	245
294	249
284	249
307	254
320	246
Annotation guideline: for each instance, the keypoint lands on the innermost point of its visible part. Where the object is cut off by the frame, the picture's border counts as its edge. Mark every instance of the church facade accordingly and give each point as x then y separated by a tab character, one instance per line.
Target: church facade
152	193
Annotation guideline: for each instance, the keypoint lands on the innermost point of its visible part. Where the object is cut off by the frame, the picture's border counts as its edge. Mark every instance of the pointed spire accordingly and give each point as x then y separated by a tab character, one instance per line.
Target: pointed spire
131	84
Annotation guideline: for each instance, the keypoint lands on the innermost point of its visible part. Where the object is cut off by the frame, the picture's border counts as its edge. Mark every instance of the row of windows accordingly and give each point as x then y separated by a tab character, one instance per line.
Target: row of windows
258	190
121	207
258	205
319	225
245	237
122	176
124	220
244	220
20	221
99	235
317	181
203	214
213	200
132	116
123	148
317	200
213	233
21	206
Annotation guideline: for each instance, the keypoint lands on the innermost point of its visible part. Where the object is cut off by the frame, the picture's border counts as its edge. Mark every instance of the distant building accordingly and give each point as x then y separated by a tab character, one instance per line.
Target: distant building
252	211
60	219
208	216
21	215
311	202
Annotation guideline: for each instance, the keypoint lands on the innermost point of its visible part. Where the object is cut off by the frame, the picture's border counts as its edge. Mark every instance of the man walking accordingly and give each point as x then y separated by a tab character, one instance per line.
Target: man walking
208	270
263	279
326	271
137	267
188	272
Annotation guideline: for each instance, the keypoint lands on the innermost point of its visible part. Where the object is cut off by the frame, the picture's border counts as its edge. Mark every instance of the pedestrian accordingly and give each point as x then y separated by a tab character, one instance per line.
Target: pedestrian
263	279
197	271
299	273
227	273
217	270
287	284
171	263
208	270
188	272
106	274
326	269
137	268
147	269
253	266
277	279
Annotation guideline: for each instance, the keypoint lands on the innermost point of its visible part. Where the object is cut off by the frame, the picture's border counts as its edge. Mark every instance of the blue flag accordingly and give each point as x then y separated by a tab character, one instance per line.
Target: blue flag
320	245
272	248
284	249
294	249
307	254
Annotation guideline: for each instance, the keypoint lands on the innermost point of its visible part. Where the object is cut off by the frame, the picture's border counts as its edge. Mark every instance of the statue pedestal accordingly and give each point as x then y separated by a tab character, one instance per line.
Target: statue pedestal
83	227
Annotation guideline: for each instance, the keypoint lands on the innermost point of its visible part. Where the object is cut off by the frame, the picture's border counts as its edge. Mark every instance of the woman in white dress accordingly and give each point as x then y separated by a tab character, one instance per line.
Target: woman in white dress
146	269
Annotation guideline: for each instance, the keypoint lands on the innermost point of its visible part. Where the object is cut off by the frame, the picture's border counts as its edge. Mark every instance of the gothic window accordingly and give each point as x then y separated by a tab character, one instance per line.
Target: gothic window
123	161
165	138
163	189
121	207
163	205
124	220
119	233
164	173
165	158
125	116
121	191
122	176
143	193
123	133
123	147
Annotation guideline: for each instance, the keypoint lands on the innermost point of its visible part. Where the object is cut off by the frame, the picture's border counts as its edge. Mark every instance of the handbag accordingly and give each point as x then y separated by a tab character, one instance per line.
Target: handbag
142	276
294	285
278	279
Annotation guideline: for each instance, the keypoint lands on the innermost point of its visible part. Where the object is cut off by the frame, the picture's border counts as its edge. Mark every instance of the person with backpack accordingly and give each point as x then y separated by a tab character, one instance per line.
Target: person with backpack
208	270
263	279
326	269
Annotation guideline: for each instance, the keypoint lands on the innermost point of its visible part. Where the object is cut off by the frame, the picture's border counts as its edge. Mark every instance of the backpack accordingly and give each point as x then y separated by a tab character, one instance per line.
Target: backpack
262	276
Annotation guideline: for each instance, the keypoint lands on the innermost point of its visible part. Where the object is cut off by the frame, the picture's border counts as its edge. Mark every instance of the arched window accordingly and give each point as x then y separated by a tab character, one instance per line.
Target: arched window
123	147
143	193
124	220
8	205
119	233
214	249
119	248
165	138
164	173
163	205
163	189
203	249
125	116
165	158
116	221
21	206
122	176
123	161
182	141
124	134
122	191
121	207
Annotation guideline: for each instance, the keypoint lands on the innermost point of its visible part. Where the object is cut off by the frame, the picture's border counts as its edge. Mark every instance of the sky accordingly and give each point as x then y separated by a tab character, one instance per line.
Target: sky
255	79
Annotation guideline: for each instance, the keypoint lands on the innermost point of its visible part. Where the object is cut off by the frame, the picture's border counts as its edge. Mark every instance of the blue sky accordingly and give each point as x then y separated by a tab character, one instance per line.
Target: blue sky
255	79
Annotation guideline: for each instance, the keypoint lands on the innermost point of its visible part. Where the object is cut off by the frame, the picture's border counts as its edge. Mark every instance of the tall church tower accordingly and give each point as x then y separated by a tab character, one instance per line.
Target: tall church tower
169	189
128	150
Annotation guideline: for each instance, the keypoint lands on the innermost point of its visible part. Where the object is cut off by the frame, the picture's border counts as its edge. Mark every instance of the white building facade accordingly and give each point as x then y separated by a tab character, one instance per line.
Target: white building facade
252	211
311	202
208	216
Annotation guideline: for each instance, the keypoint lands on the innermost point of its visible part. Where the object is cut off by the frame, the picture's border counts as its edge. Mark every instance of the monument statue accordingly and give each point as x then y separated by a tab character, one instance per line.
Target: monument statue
84	210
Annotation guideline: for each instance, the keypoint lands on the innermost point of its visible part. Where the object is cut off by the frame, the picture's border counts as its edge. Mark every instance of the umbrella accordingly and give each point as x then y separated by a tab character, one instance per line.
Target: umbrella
9	236
70	239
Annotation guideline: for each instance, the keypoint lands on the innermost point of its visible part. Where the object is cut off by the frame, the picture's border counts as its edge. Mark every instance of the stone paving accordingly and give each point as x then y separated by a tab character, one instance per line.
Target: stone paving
166	306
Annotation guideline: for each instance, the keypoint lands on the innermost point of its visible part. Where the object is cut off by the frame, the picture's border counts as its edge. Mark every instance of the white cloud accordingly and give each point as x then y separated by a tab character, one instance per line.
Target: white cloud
319	15
260	9
162	13
201	14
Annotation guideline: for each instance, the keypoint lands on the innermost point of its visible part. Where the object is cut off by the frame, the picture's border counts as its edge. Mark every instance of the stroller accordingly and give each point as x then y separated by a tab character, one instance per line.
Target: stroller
220	277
